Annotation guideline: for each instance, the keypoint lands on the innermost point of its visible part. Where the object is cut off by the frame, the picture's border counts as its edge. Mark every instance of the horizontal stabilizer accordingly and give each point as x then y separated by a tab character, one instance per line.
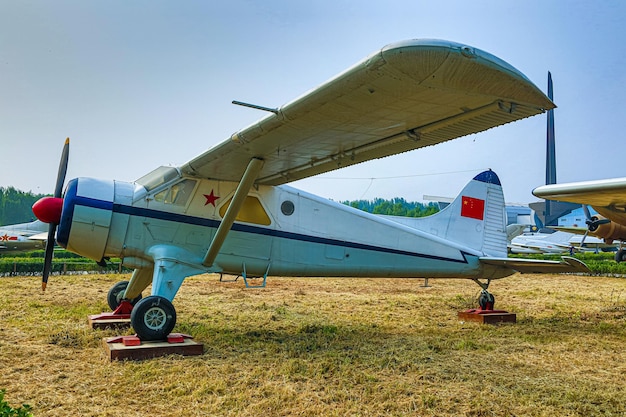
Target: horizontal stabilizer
535	266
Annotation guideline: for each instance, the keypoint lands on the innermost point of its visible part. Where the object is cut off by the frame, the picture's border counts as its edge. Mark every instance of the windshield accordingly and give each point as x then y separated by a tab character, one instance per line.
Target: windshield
159	176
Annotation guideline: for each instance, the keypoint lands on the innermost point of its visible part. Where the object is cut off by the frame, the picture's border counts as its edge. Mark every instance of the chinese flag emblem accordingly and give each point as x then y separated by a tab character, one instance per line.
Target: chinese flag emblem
472	207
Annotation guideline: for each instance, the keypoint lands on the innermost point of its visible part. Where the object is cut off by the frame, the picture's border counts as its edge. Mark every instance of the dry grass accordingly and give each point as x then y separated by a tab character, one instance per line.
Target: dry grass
326	347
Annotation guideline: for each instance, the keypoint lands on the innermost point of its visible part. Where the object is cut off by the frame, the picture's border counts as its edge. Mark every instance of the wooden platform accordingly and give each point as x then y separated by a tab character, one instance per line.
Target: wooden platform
109	323
131	348
482	316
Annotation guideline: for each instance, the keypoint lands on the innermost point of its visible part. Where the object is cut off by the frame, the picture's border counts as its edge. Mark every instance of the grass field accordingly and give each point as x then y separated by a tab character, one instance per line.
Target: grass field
332	347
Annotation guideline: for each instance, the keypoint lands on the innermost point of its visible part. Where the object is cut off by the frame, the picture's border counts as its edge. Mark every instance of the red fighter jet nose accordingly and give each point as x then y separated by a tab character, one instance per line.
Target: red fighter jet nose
48	209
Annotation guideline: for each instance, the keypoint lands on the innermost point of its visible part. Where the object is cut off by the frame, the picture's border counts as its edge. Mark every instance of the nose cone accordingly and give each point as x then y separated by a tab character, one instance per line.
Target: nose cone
48	209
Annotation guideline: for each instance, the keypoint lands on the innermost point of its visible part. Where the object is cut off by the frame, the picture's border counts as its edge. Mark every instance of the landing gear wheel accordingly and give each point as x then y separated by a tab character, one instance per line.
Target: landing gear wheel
620	256
153	318
116	294
486	300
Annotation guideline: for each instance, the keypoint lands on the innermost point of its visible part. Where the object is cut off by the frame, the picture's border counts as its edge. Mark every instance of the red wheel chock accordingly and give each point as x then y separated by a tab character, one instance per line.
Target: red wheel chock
487	316
118	318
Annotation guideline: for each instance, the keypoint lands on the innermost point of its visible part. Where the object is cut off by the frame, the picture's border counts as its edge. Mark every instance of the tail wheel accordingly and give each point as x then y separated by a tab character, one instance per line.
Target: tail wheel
486	300
116	295
153	318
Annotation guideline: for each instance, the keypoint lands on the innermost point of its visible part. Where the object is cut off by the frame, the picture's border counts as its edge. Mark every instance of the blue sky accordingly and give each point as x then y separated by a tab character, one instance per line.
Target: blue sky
140	84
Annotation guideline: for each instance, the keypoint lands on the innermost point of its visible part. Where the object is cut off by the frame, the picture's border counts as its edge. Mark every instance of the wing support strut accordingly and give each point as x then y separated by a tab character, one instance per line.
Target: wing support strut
249	176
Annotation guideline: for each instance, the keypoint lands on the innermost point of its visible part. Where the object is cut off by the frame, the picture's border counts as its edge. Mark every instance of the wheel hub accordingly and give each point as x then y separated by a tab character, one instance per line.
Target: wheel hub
155	318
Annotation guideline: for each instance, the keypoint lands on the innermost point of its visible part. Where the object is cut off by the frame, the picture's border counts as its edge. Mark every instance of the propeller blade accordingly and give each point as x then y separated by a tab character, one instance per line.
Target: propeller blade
594	222
62	169
47	263
58	190
587	213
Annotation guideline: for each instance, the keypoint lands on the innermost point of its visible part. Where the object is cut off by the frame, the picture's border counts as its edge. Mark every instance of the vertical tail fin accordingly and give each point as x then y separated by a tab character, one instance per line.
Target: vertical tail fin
475	219
551	146
550	153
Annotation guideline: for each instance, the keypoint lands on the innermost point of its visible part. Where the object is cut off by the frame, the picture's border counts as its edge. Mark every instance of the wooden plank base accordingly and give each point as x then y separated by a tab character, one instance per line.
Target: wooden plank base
117	350
109	323
488	318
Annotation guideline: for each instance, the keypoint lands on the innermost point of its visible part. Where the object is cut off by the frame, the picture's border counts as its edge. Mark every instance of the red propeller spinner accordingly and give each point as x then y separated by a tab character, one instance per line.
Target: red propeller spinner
48	209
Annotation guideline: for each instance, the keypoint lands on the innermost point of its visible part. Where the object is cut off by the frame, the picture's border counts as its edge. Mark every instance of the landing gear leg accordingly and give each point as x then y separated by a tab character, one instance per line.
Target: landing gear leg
620	255
486	300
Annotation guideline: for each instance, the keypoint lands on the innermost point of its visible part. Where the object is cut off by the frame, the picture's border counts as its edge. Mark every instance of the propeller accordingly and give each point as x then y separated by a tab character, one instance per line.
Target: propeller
592	222
48	210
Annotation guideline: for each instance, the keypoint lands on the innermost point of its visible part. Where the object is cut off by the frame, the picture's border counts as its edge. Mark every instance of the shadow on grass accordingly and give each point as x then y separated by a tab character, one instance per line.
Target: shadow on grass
332	346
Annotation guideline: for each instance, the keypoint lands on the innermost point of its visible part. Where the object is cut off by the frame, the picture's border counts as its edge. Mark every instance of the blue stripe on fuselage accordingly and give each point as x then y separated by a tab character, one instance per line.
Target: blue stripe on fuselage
199	221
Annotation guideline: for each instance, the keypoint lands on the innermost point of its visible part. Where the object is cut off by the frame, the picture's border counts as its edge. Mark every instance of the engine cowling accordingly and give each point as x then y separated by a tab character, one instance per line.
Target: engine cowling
89	225
610	232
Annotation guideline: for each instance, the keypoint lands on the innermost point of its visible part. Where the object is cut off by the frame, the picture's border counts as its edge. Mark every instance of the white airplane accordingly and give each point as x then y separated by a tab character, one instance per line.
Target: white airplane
23	237
556	242
608	199
228	211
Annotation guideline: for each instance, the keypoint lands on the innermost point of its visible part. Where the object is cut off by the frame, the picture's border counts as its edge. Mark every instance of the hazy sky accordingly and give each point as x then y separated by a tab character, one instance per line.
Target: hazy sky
138	84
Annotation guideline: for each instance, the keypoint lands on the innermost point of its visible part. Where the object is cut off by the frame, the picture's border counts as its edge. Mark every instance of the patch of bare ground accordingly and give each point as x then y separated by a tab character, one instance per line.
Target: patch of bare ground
332	347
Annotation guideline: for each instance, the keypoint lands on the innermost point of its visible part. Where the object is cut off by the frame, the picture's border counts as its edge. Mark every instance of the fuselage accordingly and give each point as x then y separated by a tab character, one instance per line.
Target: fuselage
11	242
280	230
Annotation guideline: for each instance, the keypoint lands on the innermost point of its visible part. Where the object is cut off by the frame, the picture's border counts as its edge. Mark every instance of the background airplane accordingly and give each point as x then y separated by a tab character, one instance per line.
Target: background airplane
555	243
23	237
228	211
547	213
607	197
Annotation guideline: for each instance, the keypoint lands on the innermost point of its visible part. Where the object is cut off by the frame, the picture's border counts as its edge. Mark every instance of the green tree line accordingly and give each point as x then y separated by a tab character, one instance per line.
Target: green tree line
15	205
397	206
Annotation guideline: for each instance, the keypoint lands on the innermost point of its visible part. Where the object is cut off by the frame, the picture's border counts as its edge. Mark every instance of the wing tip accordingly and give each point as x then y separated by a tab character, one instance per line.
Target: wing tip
577	264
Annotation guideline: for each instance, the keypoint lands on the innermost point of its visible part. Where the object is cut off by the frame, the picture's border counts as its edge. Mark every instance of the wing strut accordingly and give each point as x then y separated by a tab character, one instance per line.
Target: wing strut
251	174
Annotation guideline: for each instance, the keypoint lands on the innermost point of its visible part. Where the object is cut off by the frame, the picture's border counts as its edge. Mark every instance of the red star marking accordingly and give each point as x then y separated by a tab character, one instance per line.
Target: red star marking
210	199
4	238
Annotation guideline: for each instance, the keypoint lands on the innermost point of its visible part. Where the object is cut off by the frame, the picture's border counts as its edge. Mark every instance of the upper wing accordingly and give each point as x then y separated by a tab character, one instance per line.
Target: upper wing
601	193
607	197
406	96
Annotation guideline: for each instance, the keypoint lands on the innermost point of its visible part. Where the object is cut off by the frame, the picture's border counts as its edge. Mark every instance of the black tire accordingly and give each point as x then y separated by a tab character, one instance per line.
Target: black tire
486	301
153	318
114	297
620	256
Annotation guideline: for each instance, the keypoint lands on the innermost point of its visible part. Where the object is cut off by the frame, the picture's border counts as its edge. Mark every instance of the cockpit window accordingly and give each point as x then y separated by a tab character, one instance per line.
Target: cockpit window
251	211
177	194
158	177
